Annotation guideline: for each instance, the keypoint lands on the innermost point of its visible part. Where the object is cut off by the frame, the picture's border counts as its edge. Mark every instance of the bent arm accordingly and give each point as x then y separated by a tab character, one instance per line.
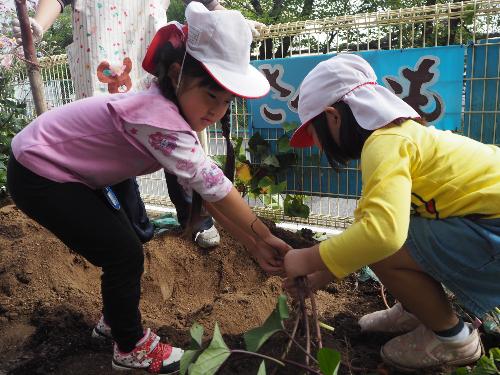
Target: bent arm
47	12
239	214
230	227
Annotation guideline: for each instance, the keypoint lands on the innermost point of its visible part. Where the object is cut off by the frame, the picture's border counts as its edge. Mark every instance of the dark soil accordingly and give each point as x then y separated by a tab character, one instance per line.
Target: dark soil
50	300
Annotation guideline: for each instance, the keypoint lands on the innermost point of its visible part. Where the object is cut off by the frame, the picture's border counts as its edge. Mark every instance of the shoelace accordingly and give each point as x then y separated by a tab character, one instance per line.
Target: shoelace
158	354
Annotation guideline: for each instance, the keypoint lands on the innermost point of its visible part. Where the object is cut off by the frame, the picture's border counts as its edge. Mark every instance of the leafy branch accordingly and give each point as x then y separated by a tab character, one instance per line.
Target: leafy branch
263	175
198	360
485	366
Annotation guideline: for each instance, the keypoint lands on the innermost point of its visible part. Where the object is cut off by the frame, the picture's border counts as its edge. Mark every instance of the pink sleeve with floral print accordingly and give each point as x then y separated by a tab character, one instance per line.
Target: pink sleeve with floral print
181	154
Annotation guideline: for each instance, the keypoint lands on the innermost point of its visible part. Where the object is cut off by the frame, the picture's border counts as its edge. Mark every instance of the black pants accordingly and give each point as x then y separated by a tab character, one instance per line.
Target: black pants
128	194
84	220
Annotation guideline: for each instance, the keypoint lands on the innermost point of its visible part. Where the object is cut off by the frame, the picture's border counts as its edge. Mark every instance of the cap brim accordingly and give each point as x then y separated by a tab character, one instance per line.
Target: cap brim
162	36
250	84
301	137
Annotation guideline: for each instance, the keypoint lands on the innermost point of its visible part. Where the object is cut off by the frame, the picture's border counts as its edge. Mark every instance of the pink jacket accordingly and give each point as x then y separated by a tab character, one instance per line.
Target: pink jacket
85	141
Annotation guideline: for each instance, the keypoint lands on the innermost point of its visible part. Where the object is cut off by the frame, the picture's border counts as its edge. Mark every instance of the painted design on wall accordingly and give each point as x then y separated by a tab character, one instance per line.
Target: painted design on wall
413	87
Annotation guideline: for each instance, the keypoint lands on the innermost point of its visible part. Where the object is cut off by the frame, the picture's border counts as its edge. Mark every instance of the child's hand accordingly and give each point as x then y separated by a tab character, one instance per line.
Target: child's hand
36	30
302	262
315	281
269	253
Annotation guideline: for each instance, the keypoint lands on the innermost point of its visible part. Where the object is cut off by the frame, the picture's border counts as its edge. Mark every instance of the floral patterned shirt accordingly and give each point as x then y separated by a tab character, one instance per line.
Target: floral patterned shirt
181	154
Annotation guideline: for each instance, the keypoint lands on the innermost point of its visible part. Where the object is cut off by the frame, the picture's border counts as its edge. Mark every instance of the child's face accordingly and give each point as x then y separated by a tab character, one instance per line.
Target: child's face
202	106
333	123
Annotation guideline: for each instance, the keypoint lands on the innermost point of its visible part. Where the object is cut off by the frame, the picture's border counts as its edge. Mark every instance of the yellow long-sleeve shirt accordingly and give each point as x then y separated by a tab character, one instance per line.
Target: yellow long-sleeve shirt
438	173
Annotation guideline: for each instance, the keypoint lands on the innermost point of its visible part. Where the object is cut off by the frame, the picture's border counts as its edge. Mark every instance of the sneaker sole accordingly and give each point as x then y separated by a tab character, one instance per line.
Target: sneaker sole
459	362
175	370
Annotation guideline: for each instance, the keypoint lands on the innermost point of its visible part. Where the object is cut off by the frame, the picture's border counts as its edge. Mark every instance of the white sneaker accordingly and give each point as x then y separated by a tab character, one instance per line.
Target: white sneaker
421	349
101	330
395	319
207	238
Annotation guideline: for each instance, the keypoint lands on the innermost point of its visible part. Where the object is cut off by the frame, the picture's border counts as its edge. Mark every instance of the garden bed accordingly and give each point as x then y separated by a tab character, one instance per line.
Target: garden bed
50	299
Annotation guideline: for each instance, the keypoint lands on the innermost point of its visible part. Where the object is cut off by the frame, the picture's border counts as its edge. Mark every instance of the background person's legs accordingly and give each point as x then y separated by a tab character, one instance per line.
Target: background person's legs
206	233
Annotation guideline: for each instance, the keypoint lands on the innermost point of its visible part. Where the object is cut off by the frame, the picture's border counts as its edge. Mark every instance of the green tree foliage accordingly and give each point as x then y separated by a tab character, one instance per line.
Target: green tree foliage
175	11
60	35
12	118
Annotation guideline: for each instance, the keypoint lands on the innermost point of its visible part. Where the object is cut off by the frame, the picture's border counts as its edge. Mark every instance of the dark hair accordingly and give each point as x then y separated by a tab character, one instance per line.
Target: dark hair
352	135
168	55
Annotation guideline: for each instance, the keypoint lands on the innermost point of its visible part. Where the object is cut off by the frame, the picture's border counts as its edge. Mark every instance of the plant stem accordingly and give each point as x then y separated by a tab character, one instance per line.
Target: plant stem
300	347
291	336
315	317
241	351
302	294
384	298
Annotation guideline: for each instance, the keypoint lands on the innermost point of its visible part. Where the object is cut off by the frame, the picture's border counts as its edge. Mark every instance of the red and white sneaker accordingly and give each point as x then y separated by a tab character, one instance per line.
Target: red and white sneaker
150	355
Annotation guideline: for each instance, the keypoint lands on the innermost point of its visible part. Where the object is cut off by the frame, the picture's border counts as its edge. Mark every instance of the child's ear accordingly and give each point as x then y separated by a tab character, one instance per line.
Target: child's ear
173	73
334	120
333	114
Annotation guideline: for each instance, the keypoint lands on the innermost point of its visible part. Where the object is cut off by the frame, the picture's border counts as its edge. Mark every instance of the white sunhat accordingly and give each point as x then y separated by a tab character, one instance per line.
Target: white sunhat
349	78
220	40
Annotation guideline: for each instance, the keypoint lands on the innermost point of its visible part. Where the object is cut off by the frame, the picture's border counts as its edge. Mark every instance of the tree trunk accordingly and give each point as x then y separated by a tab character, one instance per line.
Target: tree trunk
32	66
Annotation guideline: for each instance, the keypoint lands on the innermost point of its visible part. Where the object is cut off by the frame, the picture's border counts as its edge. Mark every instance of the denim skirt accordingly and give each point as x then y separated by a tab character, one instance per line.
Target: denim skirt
463	254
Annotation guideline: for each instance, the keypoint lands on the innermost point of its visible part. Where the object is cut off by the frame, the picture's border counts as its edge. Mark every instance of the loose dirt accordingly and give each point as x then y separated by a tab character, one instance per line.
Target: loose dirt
50	300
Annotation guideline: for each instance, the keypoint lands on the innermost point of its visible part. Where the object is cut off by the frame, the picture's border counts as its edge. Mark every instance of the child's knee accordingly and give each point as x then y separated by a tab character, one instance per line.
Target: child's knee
128	261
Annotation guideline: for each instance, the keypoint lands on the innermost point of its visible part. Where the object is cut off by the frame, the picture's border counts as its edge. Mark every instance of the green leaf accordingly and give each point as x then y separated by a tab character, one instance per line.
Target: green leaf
485	365
294	206
256	337
495	354
284	144
329	361
278	188
196	334
283	307
271	160
257	144
289	126
262	368
265	182
187	358
212	357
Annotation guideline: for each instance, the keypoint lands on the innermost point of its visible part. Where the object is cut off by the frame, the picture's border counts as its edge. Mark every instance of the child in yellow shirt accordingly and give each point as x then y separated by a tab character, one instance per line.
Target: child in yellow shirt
429	214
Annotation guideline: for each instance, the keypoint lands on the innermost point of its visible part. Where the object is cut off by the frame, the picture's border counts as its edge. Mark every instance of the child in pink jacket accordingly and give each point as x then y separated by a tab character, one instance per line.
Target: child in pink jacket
62	162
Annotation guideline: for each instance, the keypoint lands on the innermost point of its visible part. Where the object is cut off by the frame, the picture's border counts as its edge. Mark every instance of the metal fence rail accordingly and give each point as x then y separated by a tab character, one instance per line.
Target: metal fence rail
426	26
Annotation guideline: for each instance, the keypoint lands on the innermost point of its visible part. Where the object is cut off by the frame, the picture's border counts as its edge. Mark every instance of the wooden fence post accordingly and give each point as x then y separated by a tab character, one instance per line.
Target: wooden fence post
36	82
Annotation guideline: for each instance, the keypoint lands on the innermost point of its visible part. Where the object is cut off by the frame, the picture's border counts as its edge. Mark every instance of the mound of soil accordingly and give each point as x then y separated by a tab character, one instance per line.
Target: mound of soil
50	300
